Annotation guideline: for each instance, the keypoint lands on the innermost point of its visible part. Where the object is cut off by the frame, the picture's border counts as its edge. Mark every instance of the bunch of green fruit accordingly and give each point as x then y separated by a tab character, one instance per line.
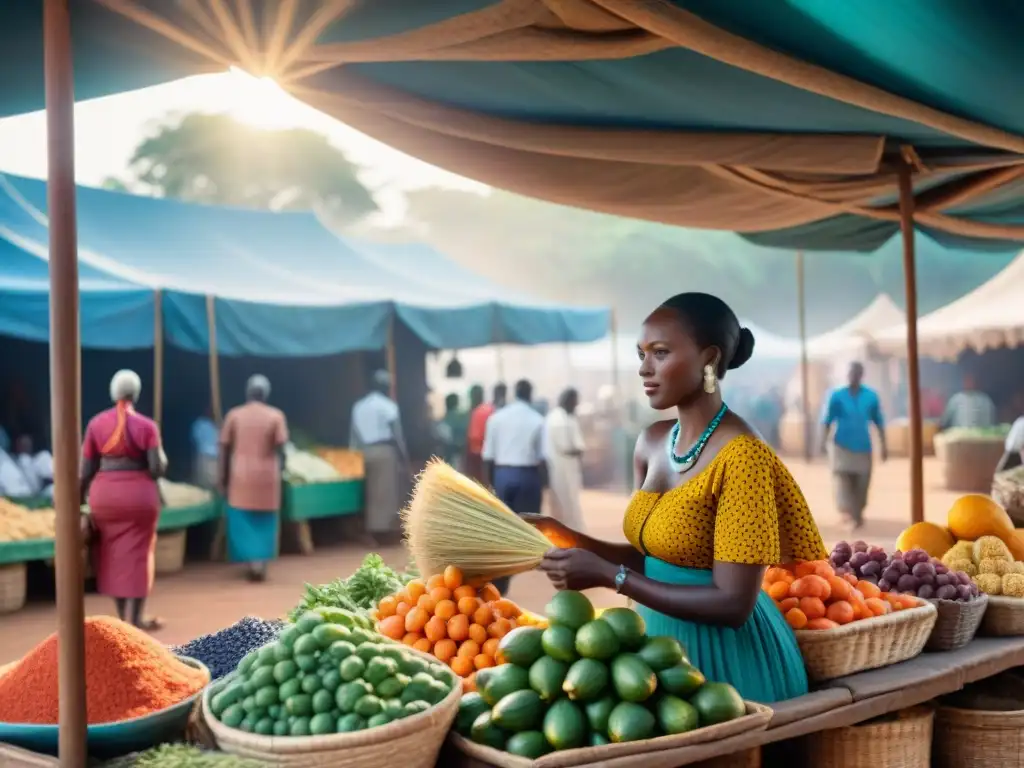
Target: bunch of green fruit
328	673
587	681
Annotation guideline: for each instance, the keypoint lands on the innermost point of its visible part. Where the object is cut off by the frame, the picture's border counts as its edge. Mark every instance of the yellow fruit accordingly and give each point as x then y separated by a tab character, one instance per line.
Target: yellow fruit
991	548
975	515
989	583
962	550
1013	585
932	538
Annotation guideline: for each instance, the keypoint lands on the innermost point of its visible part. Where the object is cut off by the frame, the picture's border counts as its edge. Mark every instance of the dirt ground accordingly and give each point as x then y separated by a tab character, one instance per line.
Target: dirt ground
207	597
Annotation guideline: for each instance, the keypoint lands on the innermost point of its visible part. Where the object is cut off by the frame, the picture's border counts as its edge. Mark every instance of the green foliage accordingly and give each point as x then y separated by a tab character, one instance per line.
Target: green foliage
215	159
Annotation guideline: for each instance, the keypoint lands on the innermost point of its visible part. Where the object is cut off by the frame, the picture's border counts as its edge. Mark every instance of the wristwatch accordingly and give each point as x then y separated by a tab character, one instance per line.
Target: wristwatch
620	578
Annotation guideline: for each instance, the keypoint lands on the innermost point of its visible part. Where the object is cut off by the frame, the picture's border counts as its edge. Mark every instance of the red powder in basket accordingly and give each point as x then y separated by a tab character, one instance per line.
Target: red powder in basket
127	674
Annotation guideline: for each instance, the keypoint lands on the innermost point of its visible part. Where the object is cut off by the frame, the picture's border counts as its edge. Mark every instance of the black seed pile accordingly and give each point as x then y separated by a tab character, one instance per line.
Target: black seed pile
221	651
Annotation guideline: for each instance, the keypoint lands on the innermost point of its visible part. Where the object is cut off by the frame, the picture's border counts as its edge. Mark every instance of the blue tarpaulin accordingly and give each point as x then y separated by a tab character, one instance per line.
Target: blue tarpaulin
284	284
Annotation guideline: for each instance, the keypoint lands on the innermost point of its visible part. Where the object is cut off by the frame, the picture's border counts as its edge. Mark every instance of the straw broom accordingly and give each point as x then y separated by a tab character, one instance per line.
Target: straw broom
453	520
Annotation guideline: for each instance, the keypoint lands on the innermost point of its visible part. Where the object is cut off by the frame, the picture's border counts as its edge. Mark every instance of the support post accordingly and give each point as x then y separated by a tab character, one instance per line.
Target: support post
211	325
391	358
805	387
65	409
913	368
499	359
158	357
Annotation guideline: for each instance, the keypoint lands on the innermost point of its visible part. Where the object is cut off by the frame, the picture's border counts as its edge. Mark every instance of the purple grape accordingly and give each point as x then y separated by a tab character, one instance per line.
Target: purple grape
940	568
885	585
964	578
908	583
860	546
975	592
878	554
948	592
901	567
926	591
843	546
871	568
838	559
891	574
923	569
941	579
844	569
858	560
964	591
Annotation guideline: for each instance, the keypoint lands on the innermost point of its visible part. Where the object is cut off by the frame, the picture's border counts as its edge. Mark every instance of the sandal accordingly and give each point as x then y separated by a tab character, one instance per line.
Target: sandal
152	625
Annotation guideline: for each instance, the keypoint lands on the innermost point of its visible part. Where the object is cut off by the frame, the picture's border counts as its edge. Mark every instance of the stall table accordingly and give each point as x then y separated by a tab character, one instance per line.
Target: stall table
303	502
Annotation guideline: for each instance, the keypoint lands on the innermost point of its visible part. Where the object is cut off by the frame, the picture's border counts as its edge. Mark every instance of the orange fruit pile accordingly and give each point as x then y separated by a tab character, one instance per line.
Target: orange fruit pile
811	596
455	622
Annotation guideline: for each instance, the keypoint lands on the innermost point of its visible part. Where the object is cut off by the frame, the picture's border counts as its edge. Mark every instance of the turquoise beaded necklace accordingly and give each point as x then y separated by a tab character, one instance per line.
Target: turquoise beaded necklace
685	462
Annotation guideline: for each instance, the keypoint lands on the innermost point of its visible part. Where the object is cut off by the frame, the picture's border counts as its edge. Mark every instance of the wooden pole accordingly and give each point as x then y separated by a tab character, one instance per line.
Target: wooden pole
65	416
913	369
158	357
499	358
805	385
211	325
391	358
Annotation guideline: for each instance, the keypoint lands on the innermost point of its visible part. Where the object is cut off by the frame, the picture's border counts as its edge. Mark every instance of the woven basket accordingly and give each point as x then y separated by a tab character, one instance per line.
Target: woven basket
750	758
866	644
1004	617
629	753
957	624
16	757
414	742
13	585
169	556
968	464
968	738
905	742
1008	490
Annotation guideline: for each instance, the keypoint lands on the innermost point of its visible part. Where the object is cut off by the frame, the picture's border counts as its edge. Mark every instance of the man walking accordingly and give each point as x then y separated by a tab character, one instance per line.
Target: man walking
970	408
851	410
376	431
513	456
479	414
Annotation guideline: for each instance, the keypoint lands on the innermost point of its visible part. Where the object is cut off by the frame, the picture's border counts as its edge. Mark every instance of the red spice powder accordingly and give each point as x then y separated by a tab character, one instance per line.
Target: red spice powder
127	674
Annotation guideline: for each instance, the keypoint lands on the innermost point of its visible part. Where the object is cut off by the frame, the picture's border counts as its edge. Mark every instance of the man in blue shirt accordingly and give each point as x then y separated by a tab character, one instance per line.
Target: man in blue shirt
205	447
849	413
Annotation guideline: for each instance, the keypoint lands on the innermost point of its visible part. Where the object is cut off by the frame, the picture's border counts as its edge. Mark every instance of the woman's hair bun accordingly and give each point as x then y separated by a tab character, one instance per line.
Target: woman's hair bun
744	348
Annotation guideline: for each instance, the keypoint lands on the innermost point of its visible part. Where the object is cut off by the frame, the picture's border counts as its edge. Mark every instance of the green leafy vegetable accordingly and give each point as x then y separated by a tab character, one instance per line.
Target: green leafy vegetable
180	756
362	591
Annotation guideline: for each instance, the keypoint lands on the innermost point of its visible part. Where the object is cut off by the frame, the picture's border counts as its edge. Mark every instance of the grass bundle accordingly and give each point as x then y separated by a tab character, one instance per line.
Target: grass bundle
453	520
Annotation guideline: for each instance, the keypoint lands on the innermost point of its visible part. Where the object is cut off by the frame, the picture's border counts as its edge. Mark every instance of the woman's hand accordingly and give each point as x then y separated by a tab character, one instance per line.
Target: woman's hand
556	532
577	569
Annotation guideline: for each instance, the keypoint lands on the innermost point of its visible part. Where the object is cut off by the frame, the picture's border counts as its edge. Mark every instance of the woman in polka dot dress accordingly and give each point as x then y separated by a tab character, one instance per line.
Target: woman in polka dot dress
714	507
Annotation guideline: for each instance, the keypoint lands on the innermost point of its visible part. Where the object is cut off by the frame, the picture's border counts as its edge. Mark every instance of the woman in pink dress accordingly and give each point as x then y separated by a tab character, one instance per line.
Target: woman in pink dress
121	461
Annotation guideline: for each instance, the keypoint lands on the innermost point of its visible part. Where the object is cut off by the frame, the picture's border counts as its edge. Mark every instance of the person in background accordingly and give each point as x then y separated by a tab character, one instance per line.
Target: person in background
13	482
1014	455
37	466
121	462
376	431
205	448
251	462
542	407
968	408
767	412
513	455
480	412
851	410
456	422
563	449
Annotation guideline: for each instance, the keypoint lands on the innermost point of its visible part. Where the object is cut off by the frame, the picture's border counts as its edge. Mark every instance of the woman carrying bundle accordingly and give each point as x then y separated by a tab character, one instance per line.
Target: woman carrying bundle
714	507
121	461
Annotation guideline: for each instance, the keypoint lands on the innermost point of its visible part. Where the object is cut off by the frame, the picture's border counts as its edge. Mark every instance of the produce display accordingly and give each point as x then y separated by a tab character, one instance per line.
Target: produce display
587	681
361	592
128	674
177	495
347	463
327	673
180	756
454	622
992	567
817	595
303	467
995	432
975	515
18	523
908	573
222	651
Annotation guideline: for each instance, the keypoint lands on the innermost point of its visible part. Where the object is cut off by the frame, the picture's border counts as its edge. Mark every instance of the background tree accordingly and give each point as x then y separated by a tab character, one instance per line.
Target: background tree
215	159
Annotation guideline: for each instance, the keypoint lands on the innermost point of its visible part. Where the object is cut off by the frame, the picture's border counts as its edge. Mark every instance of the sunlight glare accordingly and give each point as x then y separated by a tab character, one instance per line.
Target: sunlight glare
260	102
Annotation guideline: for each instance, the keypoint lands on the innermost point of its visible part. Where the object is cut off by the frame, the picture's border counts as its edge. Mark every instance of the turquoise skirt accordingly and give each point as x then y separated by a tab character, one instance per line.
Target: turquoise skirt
252	536
761	659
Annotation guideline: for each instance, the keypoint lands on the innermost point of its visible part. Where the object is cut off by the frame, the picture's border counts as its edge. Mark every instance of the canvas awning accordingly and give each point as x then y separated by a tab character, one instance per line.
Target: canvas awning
881	314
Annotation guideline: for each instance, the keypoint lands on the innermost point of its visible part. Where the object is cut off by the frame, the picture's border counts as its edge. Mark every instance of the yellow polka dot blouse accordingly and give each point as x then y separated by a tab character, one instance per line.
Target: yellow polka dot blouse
743	507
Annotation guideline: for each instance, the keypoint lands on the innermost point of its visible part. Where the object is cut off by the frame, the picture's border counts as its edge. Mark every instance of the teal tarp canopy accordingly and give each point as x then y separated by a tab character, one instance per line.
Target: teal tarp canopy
780	119
284	285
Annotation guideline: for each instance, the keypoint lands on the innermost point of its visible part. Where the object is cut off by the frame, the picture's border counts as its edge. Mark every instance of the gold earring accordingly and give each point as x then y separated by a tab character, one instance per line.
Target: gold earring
710	380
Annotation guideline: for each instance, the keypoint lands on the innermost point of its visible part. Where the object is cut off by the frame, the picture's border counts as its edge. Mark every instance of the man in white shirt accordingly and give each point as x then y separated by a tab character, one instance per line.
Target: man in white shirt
13	482
376	431
513	456
37	467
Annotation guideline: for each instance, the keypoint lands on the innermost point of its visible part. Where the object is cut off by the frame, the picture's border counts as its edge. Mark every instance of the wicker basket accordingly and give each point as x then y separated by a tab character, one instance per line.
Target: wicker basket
414	742
957	624
903	742
1004	617
16	757
1008	490
13	585
968	464
170	552
968	738
749	758
866	644
631	753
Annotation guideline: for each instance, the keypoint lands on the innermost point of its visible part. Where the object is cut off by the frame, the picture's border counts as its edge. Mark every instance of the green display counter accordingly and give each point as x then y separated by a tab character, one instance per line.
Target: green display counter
311	501
175	518
25	551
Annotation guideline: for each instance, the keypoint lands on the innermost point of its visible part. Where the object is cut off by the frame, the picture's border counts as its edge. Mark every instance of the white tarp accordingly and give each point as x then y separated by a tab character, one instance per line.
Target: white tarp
853	336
